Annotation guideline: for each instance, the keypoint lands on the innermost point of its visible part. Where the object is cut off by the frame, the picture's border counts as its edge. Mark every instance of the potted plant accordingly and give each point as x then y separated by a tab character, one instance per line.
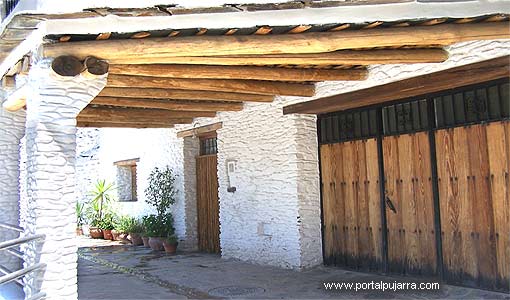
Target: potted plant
80	215
101	199
144	235
121	229
107	225
170	244
135	229
160	194
158	228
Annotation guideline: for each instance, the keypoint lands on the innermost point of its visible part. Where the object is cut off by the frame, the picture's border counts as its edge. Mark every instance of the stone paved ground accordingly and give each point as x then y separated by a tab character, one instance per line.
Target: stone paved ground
127	272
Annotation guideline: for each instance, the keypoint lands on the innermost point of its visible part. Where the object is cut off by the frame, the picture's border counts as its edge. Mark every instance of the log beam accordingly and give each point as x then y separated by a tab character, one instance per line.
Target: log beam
342	57
67	65
222	85
17	99
200	130
412	87
127	113
176	94
122	125
317	42
133	119
237	72
168	104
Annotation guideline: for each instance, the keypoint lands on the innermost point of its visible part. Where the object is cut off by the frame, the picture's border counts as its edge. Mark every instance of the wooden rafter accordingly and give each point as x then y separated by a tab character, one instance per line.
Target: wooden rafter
443	34
237	72
176	94
434	82
222	85
127	113
342	57
94	124
200	130
168	104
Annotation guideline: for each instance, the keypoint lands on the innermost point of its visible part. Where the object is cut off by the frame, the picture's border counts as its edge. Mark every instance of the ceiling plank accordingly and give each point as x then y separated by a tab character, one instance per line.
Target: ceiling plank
122	125
127	113
425	84
237	72
316	42
222	85
176	94
168	104
342	57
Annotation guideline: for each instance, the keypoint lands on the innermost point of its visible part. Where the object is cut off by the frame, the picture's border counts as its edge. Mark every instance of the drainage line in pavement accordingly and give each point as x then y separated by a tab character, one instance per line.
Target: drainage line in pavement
174	288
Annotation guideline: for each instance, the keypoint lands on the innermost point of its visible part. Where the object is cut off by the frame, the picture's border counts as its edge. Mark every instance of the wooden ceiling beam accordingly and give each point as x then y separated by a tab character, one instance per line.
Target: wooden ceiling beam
416	86
127	113
221	85
342	57
134	119
316	42
237	72
168	104
122	125
177	94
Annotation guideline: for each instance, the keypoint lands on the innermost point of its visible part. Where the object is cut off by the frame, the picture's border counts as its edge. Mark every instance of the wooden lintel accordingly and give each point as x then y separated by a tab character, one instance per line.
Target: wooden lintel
316	42
177	94
122	125
425	84
168	104
221	85
342	57
237	72
198	131
127	162
127	113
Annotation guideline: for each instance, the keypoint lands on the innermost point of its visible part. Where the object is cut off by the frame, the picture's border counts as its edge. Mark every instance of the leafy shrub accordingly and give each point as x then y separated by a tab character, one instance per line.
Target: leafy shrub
161	191
107	222
159	225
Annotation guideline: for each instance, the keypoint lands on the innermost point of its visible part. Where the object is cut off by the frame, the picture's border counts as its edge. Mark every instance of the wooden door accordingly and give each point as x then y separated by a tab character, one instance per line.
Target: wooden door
409	204
473	169
207	204
351	204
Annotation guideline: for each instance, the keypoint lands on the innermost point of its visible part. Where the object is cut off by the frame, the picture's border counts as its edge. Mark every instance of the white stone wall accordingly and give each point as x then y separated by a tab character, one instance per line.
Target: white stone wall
52	107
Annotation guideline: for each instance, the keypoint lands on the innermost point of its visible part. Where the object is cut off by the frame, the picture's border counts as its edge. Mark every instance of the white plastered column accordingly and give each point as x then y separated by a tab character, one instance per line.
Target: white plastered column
51	147
12	129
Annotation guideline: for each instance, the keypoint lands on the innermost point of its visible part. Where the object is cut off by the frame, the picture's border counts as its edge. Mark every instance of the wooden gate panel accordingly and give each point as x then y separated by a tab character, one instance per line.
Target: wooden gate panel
208	204
473	164
351	204
409	209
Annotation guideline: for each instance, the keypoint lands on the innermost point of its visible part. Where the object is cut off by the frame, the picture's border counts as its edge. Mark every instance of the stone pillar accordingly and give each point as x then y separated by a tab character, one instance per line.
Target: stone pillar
50	149
191	149
308	191
12	129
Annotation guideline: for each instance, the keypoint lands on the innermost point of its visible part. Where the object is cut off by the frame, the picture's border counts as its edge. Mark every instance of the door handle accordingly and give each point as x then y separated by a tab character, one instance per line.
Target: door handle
390	205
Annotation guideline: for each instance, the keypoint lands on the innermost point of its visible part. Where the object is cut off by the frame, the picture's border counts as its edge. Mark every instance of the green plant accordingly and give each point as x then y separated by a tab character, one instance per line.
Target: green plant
80	214
136	226
161	191
102	197
107	222
123	223
158	225
172	240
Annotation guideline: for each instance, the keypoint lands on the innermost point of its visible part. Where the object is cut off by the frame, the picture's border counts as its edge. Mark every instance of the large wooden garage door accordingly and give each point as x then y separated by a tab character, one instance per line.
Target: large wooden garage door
444	207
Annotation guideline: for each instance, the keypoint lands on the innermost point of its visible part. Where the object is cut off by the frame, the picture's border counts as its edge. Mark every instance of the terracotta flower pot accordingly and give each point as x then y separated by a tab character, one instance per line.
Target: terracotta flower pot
156	243
96	233
123	237
79	231
107	234
145	241
170	248
115	235
136	239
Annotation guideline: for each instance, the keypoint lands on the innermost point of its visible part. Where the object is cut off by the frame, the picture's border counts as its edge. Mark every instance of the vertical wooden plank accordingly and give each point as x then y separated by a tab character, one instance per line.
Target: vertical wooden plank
362	223
483	214
498	150
427	253
374	210
340	238
207	204
350	213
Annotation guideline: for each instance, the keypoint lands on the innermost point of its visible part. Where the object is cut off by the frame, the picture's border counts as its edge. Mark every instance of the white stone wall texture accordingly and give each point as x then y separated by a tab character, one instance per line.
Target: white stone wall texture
12	130
52	108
